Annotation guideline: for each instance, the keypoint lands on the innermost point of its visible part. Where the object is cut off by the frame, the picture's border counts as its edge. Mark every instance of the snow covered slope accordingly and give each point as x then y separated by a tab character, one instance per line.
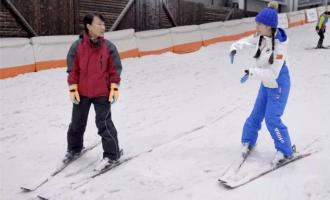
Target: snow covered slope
189	110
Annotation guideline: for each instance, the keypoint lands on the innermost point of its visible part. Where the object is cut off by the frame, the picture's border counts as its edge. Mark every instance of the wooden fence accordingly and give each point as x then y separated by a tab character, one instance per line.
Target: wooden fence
64	17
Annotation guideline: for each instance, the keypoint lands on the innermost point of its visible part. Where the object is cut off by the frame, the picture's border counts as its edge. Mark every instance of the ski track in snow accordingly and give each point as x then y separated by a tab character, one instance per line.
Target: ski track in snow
189	110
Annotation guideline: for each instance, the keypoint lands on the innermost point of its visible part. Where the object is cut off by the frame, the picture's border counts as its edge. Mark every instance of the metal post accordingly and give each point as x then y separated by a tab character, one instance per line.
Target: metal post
168	13
121	15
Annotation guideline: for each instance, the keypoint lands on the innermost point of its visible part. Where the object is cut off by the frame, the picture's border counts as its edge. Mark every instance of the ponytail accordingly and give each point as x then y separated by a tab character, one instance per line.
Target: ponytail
271	58
257	55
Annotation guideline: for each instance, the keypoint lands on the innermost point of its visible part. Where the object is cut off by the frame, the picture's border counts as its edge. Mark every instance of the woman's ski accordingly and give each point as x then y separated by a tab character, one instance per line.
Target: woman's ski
234	182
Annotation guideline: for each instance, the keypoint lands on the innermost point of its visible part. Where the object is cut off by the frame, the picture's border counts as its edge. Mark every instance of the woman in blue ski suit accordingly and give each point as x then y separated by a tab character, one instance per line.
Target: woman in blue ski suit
271	69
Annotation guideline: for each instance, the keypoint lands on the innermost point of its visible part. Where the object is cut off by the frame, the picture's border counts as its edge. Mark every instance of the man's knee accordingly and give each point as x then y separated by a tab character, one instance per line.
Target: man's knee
77	128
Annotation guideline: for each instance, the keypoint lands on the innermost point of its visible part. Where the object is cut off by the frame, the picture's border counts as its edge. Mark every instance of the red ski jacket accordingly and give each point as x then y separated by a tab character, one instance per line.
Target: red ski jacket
93	66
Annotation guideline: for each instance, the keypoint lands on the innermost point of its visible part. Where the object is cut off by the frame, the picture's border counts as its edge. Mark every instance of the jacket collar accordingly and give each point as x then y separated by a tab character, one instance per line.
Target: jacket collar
93	44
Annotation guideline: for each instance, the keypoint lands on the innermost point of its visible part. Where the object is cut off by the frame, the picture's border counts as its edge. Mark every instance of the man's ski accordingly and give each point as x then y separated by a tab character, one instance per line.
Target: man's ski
86	179
61	166
234	183
315	48
234	168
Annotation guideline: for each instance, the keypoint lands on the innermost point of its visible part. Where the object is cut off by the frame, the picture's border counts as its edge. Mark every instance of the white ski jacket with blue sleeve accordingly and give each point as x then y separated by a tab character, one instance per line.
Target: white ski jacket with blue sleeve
264	71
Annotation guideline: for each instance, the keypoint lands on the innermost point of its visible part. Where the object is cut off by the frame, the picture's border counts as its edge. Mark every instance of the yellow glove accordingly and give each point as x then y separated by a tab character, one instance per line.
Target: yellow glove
74	94
114	93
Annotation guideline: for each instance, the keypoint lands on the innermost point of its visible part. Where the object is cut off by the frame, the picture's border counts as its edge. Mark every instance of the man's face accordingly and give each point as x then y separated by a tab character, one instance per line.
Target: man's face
97	28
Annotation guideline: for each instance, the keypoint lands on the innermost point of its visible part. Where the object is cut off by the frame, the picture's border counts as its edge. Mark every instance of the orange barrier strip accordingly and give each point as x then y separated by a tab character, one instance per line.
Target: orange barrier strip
62	63
155	52
129	53
50	64
298	23
225	38
14	71
248	33
187	48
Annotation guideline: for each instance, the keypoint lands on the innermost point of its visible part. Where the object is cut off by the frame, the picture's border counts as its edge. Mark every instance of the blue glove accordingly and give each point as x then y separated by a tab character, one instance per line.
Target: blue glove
232	55
246	76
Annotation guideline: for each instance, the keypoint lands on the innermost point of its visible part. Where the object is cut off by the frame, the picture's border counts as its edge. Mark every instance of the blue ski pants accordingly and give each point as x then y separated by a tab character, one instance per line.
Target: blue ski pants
270	105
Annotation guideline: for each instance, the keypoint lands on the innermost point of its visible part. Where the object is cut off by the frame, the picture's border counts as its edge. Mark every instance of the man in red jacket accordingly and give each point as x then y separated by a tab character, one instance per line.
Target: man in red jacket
94	69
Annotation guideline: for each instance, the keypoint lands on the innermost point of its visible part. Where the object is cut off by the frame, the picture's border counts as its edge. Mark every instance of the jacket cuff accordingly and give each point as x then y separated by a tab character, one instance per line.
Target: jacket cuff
115	80
71	81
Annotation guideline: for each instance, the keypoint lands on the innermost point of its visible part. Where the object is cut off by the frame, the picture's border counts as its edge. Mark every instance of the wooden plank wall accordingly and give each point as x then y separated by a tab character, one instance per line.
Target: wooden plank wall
55	17
151	15
46	17
110	9
65	17
9	26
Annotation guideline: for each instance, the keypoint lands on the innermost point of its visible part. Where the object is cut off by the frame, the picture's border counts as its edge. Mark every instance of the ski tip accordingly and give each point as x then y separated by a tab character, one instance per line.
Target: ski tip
42	198
25	189
225	184
228	186
222	181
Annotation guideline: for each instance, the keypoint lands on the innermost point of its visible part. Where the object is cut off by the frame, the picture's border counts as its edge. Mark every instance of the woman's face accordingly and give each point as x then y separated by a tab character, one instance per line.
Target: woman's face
97	28
264	30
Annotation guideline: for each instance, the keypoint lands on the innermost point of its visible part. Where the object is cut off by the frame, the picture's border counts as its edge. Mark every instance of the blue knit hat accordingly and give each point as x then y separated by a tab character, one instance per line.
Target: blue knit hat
268	17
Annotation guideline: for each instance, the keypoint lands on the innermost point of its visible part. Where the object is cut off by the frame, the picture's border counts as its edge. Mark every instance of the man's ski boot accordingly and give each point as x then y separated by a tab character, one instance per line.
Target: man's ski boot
107	162
71	155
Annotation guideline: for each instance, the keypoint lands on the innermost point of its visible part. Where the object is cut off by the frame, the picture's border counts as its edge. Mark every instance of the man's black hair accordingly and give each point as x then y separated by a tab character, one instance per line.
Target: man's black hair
88	19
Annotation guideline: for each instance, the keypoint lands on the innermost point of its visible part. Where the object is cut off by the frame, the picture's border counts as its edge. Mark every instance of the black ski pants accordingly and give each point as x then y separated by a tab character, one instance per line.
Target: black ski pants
106	128
321	34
